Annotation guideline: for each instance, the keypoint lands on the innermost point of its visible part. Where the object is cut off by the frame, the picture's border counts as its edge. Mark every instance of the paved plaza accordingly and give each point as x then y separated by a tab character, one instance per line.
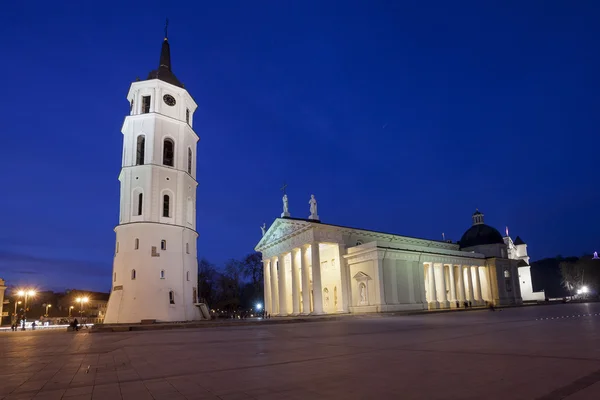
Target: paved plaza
540	352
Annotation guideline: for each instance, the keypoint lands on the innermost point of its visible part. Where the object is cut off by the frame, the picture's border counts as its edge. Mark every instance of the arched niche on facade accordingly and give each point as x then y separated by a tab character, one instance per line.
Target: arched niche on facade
362	282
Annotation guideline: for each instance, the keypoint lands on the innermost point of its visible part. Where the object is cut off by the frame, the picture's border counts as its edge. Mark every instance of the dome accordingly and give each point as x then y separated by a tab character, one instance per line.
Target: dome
480	234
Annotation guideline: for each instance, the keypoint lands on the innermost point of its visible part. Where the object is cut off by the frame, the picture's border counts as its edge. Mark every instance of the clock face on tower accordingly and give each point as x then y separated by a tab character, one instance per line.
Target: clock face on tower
170	100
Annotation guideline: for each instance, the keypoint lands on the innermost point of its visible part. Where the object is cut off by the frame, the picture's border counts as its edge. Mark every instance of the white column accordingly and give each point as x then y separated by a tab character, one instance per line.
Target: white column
452	285
461	285
478	280
267	286
444	297
274	292
411	281
470	296
422	283
305	281
393	280
295	283
345	280
433	303
489	279
316	277
282	283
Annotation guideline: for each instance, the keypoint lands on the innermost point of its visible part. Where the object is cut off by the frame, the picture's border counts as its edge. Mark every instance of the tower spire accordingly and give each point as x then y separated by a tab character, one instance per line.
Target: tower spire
165	54
164	72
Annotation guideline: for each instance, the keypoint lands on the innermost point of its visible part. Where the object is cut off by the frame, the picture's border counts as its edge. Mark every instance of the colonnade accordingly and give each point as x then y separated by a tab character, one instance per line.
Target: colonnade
447	284
275	281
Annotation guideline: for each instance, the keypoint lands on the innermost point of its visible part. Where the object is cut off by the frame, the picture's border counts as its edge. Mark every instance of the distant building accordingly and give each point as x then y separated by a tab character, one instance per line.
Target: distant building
316	268
93	310
2	301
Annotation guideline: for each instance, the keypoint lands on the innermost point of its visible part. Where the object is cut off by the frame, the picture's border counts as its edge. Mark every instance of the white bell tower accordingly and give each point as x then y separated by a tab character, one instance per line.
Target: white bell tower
155	272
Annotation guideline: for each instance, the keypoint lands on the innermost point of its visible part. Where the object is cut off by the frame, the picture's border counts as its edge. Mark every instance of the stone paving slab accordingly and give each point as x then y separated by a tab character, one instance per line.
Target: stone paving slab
512	354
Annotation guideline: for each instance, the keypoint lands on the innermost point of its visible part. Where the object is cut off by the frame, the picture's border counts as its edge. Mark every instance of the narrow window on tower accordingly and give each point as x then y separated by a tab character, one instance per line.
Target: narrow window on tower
187	249
168	152
163	244
137	244
162	274
166	203
187	115
189	161
114	277
187	275
131	107
140	204
171	297
141	147
117	248
133	274
145	104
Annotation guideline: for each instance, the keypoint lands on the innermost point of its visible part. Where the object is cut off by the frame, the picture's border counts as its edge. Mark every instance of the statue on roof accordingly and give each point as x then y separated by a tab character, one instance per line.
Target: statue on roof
263	228
313	208
286	211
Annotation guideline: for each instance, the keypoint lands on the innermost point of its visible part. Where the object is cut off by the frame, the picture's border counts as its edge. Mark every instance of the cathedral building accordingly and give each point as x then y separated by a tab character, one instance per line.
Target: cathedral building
315	268
155	272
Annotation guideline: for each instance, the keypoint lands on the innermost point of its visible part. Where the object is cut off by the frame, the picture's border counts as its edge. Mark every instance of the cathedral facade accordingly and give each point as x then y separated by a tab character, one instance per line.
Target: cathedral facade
315	268
155	269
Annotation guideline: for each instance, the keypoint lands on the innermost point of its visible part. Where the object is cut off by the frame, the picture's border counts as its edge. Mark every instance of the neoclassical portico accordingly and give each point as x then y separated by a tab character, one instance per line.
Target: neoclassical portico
312	268
303	271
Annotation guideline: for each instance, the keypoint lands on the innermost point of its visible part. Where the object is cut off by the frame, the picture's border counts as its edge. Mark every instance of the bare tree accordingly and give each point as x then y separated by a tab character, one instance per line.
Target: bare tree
253	268
571	276
207	275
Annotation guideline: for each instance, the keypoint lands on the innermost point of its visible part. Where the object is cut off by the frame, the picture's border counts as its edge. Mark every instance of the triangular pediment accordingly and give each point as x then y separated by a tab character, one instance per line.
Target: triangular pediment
281	228
361	276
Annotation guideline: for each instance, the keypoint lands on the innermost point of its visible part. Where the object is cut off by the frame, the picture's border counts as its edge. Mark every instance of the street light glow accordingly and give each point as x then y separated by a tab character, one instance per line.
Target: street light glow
31	293
21	293
258	306
584	289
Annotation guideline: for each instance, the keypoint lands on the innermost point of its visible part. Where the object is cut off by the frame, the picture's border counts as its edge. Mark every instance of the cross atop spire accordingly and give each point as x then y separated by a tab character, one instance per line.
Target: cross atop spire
167	29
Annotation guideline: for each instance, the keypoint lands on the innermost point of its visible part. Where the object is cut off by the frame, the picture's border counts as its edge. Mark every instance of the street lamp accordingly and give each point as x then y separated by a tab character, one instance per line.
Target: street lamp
15	314
26	294
47	307
70	308
81	301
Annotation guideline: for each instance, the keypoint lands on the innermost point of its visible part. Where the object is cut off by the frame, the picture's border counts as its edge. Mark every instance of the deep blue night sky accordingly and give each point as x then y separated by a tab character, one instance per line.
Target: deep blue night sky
399	116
